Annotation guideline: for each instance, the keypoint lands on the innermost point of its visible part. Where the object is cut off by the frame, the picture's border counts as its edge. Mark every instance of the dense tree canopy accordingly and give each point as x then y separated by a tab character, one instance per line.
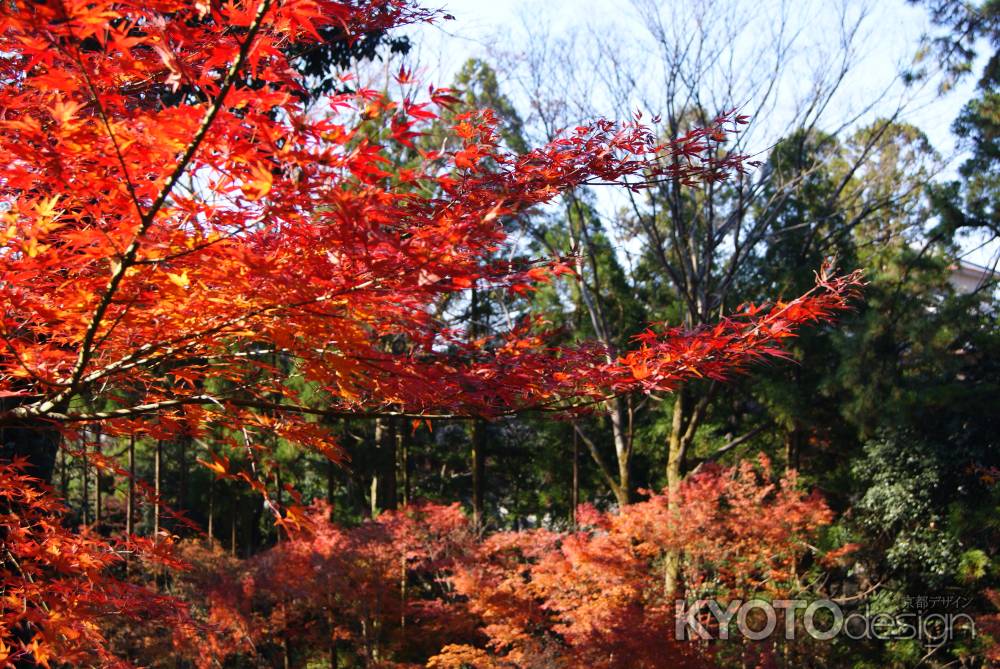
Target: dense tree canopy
298	370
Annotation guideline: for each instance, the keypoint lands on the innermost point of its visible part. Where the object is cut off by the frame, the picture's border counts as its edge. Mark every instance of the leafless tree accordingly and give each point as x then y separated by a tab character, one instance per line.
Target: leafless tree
791	67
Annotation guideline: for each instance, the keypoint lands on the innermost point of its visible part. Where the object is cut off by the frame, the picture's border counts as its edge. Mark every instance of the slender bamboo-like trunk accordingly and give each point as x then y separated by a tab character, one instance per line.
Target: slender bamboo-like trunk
63	474
277	497
574	492
793	447
232	529
253	526
478	456
85	493
402	599
210	529
376	468
383	483
182	474
98	506
329	482
403	453
130	494
389	487
157	470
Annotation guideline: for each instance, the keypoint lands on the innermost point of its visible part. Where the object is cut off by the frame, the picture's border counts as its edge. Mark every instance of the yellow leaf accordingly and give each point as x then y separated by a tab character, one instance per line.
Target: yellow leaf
179	279
260	183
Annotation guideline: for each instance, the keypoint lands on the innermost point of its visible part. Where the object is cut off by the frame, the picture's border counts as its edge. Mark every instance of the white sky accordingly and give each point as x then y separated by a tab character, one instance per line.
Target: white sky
482	28
481	25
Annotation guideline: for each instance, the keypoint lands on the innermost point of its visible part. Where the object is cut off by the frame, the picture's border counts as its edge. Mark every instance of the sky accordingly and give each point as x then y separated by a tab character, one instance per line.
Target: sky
492	29
481	26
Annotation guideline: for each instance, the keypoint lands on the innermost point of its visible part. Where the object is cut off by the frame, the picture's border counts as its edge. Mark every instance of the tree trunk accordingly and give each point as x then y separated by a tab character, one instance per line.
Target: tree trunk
98	470
232	528
182	474
478	457
130	494
574	492
157	465
63	475
211	512
85	493
675	444
622	432
330	480
793	447
277	498
389	488
685	420
403	455
402	600
383	486
253	526
610	478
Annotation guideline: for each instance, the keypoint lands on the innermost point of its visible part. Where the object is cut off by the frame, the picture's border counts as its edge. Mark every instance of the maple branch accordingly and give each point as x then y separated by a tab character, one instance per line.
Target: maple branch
156	351
146	219
111	135
153	407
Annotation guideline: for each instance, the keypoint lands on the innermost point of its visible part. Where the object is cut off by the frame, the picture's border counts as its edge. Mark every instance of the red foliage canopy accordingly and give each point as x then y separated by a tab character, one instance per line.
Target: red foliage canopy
181	233
152	247
418	587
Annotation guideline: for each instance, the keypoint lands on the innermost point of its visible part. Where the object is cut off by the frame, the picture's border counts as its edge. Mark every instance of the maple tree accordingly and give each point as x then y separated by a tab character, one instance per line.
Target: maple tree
597	597
418	587
58	586
167	268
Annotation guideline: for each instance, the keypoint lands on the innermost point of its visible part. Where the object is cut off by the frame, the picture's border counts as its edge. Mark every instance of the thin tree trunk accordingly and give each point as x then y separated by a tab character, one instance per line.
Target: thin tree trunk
675	443
182	475
610	478
85	493
211	512
277	497
330	480
574	493
478	471
793	447
130	494
687	417
232	528
616	409
157	471
621	432
402	599
98	510
389	488
63	474
383	486
675	472
403	455
253	528
376	468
